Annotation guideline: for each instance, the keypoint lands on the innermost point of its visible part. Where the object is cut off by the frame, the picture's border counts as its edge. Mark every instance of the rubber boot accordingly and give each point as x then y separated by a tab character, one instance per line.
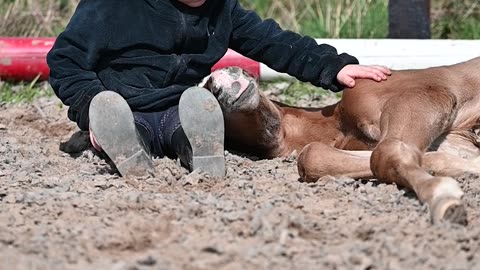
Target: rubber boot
202	121
113	127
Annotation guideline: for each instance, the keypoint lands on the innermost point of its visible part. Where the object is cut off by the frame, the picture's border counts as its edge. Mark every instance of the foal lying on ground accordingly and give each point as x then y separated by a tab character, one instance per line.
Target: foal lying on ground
418	130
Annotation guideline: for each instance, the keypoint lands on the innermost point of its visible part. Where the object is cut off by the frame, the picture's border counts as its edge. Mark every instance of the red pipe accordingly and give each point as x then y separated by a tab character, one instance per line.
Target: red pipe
23	59
232	58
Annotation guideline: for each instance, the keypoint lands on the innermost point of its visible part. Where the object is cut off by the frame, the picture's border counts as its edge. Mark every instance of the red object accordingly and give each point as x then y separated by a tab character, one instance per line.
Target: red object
232	58
23	59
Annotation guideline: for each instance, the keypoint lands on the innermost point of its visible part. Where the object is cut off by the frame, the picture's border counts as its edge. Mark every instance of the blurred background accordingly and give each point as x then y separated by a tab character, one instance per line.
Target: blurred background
446	19
450	19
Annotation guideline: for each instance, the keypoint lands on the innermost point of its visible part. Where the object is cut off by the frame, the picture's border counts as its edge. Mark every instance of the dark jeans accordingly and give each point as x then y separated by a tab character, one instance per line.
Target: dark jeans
157	130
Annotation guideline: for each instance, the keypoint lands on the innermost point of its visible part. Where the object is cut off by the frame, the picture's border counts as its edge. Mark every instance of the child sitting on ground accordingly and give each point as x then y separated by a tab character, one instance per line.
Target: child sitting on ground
122	66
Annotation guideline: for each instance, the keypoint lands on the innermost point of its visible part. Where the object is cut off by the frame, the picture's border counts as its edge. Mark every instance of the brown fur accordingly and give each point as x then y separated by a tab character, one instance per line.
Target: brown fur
385	130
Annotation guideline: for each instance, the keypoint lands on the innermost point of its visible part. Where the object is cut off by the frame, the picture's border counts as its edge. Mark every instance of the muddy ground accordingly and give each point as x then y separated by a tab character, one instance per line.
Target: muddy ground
64	211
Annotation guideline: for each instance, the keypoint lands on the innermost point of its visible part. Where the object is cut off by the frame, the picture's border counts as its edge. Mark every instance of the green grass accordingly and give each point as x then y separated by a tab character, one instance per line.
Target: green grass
23	92
456	19
457	28
328	18
301	91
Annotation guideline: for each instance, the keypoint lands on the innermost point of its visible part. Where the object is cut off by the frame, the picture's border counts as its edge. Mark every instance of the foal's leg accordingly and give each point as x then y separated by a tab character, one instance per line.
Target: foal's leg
445	164
409	124
318	160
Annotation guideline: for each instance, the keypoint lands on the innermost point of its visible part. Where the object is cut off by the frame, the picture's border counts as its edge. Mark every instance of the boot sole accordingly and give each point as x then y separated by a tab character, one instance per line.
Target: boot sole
202	121
113	126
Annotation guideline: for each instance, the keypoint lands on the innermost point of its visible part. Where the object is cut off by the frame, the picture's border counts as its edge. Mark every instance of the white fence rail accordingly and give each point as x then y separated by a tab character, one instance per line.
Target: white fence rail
400	53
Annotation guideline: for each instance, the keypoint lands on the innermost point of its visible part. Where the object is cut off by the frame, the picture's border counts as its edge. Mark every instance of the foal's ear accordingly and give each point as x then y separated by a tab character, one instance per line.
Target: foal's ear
206	83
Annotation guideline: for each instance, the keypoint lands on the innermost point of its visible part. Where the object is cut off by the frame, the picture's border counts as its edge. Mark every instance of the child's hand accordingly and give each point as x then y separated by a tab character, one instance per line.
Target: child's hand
349	73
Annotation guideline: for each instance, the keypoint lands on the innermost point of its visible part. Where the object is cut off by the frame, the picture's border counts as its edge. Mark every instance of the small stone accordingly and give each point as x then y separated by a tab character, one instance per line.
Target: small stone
149	261
213	250
10	198
194	178
102	184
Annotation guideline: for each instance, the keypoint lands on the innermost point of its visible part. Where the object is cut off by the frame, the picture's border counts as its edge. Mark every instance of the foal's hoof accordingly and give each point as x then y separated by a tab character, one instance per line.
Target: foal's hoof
449	209
234	89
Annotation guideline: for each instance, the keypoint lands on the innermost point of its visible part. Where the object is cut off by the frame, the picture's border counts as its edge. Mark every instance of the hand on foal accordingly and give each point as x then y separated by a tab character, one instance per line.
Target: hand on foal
349	73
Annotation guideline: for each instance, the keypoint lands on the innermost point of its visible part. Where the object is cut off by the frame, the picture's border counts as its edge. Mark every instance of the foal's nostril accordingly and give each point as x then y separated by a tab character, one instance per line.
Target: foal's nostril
236	87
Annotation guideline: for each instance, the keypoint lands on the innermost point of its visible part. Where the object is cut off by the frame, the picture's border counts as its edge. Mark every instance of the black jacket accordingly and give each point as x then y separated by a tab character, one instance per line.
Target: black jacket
150	51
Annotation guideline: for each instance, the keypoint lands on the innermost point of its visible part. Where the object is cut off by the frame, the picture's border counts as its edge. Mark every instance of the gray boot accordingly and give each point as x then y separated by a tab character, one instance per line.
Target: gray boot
202	121
113	126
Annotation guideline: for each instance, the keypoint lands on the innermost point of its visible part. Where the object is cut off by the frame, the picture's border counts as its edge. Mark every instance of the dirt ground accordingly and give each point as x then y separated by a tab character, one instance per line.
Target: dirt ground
72	211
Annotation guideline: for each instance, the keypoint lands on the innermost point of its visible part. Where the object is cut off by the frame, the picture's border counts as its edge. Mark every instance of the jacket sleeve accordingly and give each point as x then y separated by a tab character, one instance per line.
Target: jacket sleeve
73	59
286	51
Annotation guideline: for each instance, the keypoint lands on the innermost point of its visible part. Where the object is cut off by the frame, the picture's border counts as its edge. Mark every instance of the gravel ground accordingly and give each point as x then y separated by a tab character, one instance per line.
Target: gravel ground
71	211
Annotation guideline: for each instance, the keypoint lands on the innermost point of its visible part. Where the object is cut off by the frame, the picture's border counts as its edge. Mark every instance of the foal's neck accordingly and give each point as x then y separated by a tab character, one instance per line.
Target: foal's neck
302	126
